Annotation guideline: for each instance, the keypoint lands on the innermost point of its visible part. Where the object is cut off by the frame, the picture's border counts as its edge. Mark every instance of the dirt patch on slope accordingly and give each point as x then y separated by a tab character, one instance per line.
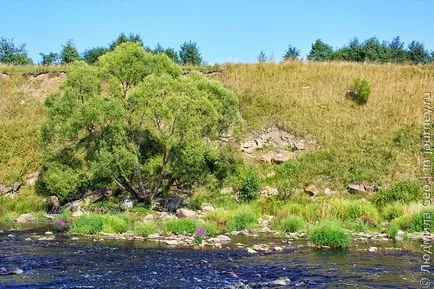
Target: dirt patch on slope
40	86
276	144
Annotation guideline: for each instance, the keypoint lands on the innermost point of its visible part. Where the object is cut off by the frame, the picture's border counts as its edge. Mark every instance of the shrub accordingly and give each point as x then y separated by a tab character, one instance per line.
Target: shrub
244	218
411	223
180	226
210	228
145	229
393	230
360	90
115	224
330	233
392	211
88	224
353	210
251	186
403	192
291	224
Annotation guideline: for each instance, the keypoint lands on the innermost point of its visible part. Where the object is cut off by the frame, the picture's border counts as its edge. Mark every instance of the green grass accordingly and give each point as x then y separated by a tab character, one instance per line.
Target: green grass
145	229
24	202
291	224
88	224
180	226
96	223
32	69
330	233
404	192
244	217
392	211
115	224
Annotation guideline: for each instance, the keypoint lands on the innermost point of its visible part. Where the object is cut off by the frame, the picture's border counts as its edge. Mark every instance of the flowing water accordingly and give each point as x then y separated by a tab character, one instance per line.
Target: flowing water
63	263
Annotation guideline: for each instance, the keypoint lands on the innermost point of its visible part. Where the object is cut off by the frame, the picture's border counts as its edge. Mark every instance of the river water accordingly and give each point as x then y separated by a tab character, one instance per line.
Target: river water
85	263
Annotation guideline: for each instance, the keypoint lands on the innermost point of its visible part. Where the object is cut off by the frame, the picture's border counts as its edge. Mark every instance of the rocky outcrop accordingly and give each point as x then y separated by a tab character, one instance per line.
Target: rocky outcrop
53	204
359	187
269	192
311	190
32	178
186	213
26	218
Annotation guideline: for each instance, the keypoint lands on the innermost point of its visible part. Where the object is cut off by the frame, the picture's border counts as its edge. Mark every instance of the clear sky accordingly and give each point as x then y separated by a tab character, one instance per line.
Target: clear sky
224	30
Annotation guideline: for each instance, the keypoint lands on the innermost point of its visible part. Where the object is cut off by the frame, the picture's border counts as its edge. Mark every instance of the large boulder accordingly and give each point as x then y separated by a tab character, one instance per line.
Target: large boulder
127	204
53	204
26	218
186	213
356	187
311	190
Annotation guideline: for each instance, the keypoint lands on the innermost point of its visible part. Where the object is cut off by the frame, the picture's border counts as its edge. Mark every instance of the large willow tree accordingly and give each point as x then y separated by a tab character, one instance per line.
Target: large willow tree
133	122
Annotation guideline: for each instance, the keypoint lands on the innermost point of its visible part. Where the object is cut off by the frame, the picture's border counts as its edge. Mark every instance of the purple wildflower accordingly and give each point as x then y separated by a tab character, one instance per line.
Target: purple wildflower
60	223
200	232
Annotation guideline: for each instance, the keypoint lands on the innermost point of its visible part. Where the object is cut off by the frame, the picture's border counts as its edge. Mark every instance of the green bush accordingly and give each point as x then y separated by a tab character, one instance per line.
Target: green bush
251	186
145	229
243	218
329	233
88	224
404	192
393	229
360	90
291	224
180	226
115	224
352	210
210	228
392	211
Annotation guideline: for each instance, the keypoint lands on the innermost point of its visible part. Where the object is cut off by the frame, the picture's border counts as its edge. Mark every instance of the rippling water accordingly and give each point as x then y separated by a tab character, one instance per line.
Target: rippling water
63	263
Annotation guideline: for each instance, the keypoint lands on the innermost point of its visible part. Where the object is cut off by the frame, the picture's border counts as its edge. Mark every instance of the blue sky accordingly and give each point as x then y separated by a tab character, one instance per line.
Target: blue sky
224	30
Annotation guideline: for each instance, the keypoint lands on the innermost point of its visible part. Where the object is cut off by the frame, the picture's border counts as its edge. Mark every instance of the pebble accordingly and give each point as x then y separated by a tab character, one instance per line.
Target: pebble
48	233
373	249
75	238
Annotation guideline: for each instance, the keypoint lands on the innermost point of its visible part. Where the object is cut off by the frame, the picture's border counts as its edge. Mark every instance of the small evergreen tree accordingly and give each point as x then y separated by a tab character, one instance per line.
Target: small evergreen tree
320	51
262	57
50	58
69	53
292	53
11	54
189	54
417	53
123	38
91	55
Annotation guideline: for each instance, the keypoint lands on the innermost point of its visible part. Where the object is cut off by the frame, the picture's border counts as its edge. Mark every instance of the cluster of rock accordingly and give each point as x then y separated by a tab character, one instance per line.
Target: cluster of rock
10	190
276	145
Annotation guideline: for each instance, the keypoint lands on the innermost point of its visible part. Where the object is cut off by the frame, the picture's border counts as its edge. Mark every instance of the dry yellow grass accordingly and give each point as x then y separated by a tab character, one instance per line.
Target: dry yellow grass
377	141
21	116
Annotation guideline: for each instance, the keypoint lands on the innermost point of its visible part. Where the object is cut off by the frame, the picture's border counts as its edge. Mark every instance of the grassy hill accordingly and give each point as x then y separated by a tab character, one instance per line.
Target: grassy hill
378	143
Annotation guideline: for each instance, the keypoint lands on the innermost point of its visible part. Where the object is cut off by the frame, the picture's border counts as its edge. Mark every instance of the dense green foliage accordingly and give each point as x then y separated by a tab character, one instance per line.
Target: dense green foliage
12	54
404	192
91	55
244	218
145	229
69	53
292	53
361	90
49	59
291	224
250	187
331	234
134	123
189	54
320	51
